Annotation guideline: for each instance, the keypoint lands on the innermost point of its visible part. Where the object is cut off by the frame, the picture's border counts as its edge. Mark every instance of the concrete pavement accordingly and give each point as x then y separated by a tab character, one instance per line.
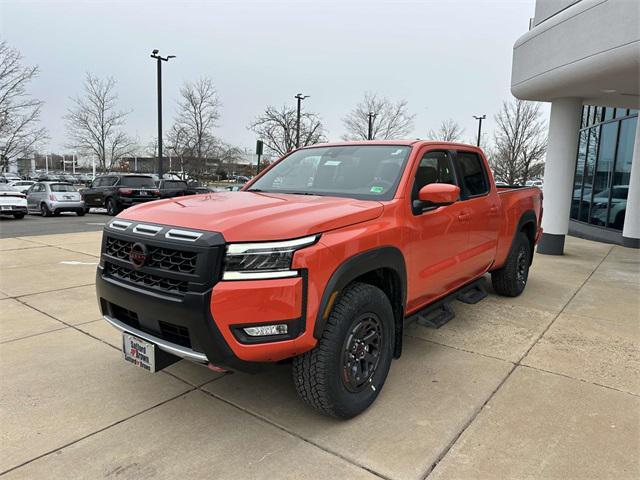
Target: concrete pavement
543	386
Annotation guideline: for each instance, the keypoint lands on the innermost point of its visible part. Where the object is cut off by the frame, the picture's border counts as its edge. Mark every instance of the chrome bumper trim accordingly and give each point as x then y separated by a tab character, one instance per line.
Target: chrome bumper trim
177	350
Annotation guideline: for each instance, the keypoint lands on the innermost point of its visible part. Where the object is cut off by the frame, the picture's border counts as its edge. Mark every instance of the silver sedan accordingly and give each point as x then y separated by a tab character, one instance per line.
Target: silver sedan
52	198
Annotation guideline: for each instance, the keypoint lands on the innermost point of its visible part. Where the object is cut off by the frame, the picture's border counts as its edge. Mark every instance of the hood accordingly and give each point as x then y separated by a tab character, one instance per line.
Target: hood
253	216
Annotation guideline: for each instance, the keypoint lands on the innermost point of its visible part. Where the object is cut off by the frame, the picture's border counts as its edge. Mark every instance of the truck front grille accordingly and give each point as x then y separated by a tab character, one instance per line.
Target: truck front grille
145	279
159	257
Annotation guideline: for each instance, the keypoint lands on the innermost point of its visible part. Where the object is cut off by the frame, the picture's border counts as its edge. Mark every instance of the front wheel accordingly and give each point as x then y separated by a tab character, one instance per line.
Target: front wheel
345	372
511	279
18	216
80	212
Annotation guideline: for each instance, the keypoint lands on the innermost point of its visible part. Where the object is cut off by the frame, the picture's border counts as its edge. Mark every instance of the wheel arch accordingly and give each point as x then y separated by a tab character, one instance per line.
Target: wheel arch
383	267
528	224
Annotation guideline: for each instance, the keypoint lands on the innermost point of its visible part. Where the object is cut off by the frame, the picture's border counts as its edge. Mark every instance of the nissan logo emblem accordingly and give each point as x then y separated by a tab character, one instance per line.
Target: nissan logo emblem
138	255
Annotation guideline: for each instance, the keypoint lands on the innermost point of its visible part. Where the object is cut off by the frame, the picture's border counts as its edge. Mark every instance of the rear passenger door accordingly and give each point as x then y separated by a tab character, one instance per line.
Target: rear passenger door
482	207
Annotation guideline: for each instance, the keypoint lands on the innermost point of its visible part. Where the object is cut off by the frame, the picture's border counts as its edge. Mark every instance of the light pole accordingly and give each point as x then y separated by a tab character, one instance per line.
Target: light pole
371	116
479	118
299	97
159	60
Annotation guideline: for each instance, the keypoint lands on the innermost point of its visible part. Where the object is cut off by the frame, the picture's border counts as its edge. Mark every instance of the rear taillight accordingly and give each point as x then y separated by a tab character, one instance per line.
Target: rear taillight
155	192
125	191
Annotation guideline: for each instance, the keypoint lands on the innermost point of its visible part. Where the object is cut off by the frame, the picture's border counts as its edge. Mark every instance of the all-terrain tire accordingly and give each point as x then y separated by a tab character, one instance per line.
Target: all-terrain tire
320	375
511	279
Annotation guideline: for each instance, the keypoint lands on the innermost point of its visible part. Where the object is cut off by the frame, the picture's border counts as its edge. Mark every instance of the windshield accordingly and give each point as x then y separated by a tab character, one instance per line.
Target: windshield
138	182
367	172
62	187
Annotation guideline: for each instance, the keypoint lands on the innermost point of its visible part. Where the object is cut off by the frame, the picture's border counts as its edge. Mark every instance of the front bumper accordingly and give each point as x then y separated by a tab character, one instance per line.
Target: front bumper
157	319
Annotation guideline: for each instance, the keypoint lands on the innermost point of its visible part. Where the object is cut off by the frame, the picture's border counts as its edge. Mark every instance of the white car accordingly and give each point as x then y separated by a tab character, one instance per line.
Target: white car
21	185
12	202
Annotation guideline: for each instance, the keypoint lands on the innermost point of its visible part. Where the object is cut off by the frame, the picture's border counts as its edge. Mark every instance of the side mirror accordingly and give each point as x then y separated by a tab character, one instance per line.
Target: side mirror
439	194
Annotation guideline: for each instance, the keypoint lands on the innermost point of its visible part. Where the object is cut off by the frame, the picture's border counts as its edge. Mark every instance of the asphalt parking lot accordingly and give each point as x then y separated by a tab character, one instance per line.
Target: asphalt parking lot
65	223
543	386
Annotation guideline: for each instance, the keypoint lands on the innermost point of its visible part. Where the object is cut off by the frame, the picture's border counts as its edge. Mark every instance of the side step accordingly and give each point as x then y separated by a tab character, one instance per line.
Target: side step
439	313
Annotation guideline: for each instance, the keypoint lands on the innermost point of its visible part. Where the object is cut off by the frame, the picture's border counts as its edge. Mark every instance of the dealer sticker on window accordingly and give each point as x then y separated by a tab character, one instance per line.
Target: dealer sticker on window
375	189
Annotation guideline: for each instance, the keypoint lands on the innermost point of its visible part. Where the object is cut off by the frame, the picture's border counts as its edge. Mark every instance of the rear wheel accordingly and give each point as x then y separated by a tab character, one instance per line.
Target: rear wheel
80	212
111	206
344	374
511	279
44	210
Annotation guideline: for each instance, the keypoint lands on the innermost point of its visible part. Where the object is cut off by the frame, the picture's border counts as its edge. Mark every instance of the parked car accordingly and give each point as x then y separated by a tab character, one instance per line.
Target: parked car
235	188
116	192
21	185
53	198
8	177
12	202
617	210
322	273
174	188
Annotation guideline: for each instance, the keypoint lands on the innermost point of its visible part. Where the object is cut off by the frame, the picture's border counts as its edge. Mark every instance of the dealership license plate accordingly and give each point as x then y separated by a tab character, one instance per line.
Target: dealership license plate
6	207
139	352
143	193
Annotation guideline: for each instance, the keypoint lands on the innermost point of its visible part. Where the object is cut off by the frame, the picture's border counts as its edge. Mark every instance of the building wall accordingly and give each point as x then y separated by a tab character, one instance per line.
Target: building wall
589	49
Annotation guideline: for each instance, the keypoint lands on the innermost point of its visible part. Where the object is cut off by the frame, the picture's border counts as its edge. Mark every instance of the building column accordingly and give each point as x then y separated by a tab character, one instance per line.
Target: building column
631	229
560	166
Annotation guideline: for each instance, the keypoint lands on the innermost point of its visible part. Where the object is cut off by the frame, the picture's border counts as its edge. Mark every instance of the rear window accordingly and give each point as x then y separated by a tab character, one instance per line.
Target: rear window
175	184
138	182
62	187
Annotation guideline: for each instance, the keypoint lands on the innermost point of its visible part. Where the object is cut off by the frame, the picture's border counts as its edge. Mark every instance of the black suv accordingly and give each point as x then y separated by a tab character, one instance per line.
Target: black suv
118	191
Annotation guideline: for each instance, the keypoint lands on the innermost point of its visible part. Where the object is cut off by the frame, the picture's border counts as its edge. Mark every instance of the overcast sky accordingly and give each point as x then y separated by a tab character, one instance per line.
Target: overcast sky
449	59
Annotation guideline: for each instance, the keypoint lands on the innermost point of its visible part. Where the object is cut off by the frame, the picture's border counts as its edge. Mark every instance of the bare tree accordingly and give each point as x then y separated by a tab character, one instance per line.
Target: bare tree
520	142
94	124
390	121
198	111
449	131
277	128
20	132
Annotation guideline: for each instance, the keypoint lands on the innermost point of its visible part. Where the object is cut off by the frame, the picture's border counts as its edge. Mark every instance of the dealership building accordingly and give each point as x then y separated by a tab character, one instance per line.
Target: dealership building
584	58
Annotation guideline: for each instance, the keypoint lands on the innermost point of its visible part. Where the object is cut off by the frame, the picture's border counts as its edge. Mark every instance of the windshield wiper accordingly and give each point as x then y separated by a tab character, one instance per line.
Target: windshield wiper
254	190
302	193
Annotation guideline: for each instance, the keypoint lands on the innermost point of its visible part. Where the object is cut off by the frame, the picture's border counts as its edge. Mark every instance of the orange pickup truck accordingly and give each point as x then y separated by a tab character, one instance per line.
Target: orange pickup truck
318	261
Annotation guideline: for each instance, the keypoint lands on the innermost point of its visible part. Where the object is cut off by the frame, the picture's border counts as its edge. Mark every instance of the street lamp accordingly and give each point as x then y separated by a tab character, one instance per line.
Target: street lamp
299	97
160	59
371	116
479	126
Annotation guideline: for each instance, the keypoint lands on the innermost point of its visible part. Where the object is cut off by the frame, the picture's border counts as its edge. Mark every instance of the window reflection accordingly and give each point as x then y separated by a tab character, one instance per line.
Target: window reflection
589	167
602	177
622	173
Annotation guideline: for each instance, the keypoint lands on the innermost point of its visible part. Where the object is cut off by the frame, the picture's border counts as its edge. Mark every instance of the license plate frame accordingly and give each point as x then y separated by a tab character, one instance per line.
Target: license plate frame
139	352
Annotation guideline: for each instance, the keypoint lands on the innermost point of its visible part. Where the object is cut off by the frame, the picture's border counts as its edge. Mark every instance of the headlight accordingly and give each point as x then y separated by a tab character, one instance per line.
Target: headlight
250	261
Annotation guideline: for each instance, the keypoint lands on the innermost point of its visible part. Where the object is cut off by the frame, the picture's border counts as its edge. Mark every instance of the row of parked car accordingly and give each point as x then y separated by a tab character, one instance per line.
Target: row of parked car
113	192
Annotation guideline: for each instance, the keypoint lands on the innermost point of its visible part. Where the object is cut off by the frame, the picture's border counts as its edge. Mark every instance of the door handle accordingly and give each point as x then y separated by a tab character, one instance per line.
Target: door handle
463	217
493	210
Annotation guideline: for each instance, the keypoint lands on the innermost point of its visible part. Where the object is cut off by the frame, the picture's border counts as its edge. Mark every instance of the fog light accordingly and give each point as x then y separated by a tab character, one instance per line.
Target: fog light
265	330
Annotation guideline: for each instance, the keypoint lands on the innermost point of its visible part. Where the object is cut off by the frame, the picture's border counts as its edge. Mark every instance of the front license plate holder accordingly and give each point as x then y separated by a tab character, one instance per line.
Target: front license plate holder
144	354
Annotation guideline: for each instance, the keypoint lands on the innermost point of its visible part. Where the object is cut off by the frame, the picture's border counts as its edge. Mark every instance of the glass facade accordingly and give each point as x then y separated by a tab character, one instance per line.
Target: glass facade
603	166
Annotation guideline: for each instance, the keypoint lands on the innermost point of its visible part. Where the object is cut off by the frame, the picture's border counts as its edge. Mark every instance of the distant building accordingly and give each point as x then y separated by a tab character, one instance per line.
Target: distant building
584	57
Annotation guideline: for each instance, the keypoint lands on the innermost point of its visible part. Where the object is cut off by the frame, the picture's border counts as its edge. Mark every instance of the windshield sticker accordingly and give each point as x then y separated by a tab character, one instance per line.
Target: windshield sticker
398	152
332	163
375	189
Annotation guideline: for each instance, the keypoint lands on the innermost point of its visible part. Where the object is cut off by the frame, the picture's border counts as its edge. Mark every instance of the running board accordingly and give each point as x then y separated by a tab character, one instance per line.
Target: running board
439	313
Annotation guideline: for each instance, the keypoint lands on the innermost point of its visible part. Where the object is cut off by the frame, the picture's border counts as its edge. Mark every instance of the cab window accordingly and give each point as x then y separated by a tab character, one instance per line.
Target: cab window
435	167
473	177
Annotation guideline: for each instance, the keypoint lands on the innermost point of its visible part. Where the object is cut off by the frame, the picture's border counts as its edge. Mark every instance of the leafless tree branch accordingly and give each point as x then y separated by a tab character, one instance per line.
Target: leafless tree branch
391	121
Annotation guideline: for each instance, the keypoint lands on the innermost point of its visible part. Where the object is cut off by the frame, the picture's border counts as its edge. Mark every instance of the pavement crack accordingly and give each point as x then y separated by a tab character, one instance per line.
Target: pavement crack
118	422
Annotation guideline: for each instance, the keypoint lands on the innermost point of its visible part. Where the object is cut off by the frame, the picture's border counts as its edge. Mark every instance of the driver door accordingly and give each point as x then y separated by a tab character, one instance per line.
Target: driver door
439	235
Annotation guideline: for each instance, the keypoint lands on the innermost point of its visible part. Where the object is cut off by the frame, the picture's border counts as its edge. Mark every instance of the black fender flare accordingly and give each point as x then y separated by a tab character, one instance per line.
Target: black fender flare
356	266
528	217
